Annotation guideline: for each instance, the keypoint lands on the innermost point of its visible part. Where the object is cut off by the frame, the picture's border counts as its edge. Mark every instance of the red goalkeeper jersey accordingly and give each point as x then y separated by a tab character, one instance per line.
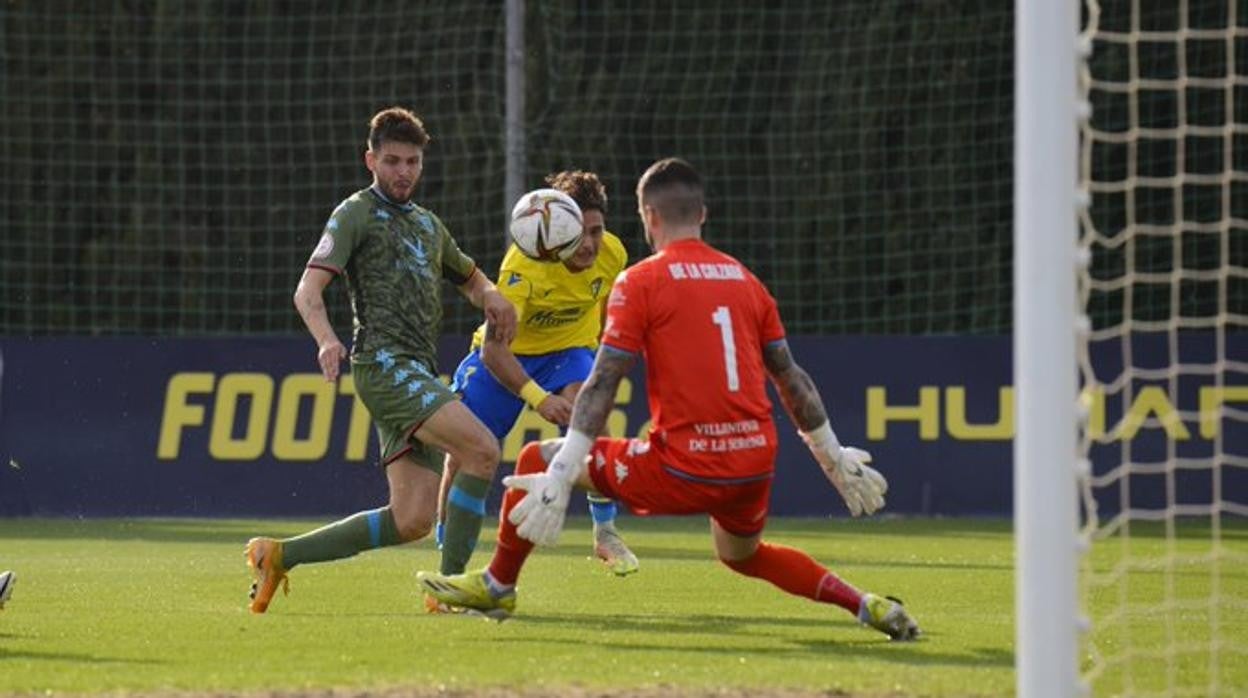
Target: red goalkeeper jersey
700	320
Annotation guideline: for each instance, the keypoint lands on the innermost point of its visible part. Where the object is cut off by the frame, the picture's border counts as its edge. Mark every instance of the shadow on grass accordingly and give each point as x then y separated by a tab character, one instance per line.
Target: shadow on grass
76	657
727	628
151	530
688	623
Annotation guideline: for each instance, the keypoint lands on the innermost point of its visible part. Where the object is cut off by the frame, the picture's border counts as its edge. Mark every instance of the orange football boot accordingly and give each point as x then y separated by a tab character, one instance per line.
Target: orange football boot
264	557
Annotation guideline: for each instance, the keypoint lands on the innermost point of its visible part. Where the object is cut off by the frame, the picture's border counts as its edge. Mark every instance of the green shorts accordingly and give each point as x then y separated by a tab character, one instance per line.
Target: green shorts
400	395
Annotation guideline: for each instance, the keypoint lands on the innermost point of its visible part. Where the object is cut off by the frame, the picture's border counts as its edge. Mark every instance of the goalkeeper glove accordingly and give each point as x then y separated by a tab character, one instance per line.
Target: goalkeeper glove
861	486
539	516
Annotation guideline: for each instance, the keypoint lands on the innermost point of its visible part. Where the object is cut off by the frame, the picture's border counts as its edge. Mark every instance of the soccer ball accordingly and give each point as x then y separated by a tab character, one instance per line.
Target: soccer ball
546	225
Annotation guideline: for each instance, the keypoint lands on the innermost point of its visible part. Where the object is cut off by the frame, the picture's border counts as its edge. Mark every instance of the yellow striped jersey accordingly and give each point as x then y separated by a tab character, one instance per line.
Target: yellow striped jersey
556	308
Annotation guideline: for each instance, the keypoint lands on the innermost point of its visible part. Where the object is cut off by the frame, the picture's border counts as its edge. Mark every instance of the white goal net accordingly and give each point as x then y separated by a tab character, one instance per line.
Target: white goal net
1164	351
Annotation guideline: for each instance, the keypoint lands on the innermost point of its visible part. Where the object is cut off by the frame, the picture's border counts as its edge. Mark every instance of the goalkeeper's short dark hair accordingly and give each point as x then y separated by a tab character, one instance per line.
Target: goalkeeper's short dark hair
396	124
584	187
674	188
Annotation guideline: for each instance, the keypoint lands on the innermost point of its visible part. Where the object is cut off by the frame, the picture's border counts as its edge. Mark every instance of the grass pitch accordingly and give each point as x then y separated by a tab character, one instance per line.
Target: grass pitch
154	606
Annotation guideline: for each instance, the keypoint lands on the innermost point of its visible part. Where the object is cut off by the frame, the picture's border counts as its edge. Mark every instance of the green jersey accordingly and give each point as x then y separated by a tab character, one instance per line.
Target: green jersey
394	257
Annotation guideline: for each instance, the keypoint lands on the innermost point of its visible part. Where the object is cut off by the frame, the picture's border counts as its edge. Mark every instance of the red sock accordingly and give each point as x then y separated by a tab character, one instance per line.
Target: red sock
513	550
797	573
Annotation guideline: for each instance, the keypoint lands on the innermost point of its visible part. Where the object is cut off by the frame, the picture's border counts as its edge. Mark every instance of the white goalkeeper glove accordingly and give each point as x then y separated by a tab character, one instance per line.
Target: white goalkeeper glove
539	516
861	486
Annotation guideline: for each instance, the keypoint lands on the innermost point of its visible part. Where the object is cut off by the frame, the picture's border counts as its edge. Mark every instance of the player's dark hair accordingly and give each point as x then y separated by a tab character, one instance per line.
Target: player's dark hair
584	187
396	124
674	189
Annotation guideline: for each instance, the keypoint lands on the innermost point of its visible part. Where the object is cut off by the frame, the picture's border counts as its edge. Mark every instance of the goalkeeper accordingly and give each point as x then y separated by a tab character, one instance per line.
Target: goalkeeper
711	336
560	307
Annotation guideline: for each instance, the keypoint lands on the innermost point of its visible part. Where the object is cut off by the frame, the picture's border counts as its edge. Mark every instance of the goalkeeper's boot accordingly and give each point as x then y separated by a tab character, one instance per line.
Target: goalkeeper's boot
468	590
264	557
610	548
886	614
7	580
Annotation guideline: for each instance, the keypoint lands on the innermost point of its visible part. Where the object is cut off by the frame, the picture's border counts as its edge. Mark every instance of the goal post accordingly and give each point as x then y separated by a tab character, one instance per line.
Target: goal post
514	162
1045	236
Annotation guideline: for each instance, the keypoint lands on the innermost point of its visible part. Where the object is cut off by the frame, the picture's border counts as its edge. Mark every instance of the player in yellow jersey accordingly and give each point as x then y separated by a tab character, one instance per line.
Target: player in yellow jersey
559	309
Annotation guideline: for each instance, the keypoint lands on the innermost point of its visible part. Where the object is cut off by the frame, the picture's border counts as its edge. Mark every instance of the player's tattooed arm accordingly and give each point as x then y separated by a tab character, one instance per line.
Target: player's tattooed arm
597	396
797	391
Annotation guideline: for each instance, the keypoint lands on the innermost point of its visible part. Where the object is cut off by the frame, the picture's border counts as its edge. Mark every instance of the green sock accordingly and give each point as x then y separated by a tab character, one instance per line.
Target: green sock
464	512
363	531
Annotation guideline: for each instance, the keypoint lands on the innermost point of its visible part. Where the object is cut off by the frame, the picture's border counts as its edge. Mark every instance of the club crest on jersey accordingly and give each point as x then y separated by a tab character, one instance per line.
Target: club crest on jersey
599	460
595	287
325	246
417	259
514	279
621	471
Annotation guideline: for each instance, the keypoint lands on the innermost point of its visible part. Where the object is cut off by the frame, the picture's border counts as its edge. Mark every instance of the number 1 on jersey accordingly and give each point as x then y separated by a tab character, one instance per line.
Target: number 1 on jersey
723	318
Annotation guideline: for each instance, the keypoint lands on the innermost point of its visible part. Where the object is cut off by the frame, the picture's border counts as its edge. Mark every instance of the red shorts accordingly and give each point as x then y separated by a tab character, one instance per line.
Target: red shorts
629	471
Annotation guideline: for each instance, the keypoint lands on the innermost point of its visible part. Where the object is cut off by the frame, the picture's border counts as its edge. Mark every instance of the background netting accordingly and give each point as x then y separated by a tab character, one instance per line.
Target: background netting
1165	364
168	166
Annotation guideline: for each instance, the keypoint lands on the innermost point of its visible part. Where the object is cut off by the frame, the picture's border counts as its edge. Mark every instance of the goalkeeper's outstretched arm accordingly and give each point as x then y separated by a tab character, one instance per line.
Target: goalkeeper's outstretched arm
861	486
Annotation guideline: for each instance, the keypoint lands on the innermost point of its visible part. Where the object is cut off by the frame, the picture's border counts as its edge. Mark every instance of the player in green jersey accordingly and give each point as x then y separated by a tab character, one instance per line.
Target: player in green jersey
394	255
